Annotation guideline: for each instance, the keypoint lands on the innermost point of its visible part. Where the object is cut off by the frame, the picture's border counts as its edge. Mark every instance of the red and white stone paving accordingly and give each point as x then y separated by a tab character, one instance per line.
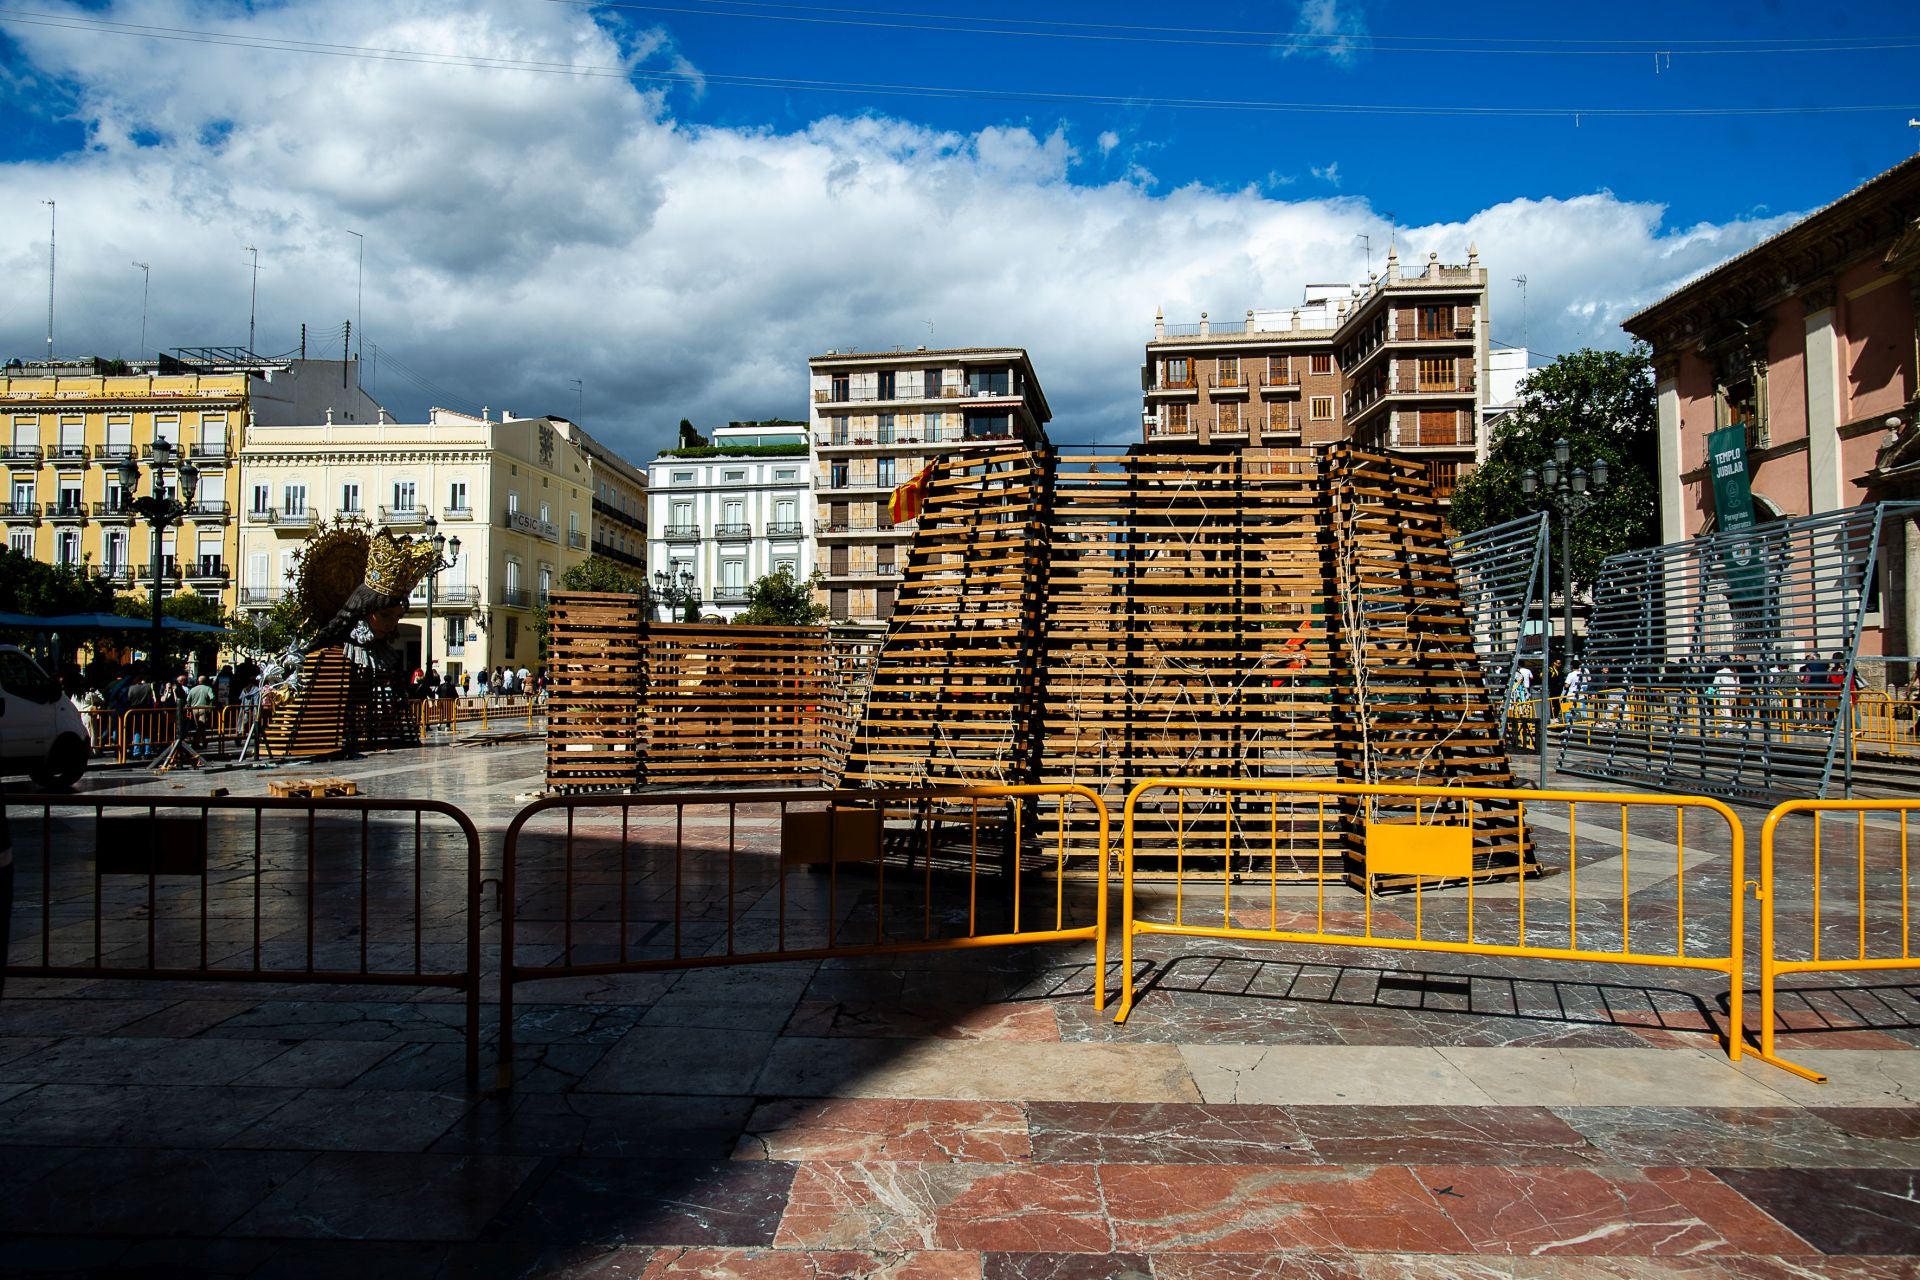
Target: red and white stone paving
966	1117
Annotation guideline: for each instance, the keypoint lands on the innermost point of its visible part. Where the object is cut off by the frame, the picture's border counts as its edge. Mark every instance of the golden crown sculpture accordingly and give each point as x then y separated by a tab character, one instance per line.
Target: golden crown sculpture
395	565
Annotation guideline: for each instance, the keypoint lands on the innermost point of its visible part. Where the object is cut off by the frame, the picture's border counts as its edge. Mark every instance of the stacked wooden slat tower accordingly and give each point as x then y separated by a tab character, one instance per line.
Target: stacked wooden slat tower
953	698
339	707
312	722
1244	614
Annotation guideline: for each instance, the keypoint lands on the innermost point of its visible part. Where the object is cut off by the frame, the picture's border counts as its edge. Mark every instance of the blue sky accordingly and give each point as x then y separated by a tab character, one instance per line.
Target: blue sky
676	204
1511	58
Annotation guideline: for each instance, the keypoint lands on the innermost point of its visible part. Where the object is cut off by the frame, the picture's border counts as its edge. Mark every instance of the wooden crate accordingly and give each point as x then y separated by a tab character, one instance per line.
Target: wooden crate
312	788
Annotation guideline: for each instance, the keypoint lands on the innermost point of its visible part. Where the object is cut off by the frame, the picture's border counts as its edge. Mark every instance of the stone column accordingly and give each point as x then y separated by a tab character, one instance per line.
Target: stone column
1826	483
1673	519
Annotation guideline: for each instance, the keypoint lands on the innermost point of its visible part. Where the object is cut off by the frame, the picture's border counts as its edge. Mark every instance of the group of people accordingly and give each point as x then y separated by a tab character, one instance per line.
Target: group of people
1811	690
501	682
195	701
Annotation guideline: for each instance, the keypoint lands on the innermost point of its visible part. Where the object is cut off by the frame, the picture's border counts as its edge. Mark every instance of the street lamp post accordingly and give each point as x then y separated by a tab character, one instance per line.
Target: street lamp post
676	591
446	554
1566	489
160	510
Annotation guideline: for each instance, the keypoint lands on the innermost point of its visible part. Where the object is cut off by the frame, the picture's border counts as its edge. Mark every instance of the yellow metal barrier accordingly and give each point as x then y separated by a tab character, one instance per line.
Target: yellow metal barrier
1882	721
449	714
1425	834
1869	871
103	731
145	732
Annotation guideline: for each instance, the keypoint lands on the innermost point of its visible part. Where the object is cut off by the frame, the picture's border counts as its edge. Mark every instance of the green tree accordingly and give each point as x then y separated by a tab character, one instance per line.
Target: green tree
595	573
47	590
778	600
188	606
1602	404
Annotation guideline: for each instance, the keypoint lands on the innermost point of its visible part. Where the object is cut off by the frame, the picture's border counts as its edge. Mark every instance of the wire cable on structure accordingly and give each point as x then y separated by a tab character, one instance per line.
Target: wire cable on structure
450	399
882	88
1262	41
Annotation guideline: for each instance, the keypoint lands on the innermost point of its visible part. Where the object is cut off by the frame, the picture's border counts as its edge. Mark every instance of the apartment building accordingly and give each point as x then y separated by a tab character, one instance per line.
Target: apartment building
69	425
724	514
517	492
1395	364
618	530
875	420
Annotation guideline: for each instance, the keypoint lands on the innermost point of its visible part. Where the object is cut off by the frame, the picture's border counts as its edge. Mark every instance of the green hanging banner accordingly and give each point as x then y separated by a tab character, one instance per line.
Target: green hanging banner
1733	511
1732	488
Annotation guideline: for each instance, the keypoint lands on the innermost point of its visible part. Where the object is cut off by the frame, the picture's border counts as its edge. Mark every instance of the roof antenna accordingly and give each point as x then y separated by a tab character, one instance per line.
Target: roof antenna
1522	282
1367	240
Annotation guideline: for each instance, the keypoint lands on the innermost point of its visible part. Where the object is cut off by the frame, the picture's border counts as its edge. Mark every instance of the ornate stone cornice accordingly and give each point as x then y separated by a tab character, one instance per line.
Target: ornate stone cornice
1863	223
361	457
214	403
1818	296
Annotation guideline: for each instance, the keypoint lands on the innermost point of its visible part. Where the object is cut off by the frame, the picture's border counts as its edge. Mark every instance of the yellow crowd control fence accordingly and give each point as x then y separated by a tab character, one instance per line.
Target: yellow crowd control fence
1481	843
451	716
1883	722
598	885
1845	896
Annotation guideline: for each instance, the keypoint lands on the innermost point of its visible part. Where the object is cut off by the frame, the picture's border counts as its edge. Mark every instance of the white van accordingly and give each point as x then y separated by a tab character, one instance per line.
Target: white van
41	734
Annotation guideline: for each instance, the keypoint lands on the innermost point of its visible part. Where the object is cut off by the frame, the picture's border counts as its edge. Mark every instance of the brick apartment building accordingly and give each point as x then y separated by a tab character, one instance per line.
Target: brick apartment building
1397	364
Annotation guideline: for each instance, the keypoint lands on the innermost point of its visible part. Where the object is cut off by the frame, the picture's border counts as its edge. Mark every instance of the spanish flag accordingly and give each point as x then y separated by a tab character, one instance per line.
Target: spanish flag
907	500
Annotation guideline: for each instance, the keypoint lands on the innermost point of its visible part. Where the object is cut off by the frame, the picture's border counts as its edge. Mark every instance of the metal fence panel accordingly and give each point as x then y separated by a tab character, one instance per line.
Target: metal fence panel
1502	571
349	891
1838	899
1427	834
632	883
1720	665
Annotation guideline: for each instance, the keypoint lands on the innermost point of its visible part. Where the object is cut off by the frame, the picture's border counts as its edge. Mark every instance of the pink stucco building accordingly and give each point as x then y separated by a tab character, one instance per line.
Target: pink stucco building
1809	340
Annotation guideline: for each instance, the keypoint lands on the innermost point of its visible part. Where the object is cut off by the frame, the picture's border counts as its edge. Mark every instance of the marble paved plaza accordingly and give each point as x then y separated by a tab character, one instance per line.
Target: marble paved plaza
1264	1112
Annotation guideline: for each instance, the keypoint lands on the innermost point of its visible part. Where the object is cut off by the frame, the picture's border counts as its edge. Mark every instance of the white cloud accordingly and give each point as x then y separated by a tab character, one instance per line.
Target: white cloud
1108	141
525	230
1334	29
1328	173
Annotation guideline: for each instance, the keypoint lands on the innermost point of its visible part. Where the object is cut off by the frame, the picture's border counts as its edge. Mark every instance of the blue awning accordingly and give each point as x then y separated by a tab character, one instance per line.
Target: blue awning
104	622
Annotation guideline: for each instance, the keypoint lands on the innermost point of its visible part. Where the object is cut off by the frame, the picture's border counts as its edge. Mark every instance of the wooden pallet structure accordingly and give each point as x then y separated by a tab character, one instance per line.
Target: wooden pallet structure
596	676
736	705
312	788
952	699
633	702
1227	613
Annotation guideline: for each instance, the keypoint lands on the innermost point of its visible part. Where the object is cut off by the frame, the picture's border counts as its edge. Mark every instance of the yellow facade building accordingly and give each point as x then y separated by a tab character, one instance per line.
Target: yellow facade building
68	429
67	426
